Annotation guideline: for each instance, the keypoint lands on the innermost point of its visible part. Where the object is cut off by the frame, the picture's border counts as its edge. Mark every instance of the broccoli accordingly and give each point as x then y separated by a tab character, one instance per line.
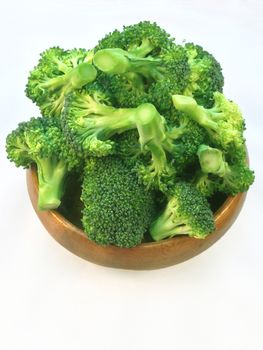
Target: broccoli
230	179
127	144
117	209
40	141
90	123
58	73
142	122
140	39
187	213
152	78
182	141
223	122
206	75
142	64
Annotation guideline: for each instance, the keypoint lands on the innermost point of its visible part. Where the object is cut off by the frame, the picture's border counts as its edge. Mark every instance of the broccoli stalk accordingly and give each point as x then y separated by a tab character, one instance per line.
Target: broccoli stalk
142	50
223	122
51	178
231	179
187	213
72	79
118	61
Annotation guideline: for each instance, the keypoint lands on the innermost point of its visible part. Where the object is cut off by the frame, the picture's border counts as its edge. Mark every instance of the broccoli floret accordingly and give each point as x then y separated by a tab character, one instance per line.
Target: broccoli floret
187	213
117	209
150	78
127	144
223	122
40	141
90	124
58	72
182	141
141	39
206	75
142	64
138	40
207	184
230	179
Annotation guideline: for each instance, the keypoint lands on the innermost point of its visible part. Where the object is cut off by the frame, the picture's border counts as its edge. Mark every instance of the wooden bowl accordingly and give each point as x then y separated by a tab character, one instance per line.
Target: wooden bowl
146	256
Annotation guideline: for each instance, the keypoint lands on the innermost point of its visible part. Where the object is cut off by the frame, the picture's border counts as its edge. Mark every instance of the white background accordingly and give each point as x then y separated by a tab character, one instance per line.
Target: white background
51	299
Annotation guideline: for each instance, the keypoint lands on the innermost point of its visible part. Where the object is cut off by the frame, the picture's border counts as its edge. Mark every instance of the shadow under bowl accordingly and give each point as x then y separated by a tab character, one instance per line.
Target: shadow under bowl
146	256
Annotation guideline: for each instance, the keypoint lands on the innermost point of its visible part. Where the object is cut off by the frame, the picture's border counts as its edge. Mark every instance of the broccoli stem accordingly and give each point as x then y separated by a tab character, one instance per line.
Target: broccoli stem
118	61
77	77
150	126
136	80
143	50
115	123
166	225
51	176
212	161
197	113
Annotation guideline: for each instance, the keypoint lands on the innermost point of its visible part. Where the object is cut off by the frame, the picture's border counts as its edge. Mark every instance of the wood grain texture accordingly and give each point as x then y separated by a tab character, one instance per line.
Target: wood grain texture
146	256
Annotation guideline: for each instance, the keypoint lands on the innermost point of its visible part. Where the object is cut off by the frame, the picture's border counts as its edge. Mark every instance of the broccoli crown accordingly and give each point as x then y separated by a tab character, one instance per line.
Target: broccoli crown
238	178
223	122
117	209
187	213
183	141
36	139
142	64
141	39
58	72
230	179
88	120
206	75
151	79
127	144
40	141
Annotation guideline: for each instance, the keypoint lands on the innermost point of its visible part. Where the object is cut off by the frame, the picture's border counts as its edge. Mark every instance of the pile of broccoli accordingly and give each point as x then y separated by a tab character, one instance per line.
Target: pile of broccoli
143	124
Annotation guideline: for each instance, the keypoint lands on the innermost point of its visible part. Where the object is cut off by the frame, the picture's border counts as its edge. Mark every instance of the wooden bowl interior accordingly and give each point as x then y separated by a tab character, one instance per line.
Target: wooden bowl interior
146	256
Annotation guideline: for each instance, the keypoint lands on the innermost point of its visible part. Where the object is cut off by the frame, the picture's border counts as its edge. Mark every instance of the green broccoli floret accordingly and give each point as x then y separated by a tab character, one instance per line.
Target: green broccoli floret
149	78
59	72
127	144
142	64
187	213
206	75
223	122
90	124
117	209
141	39
182	141
207	184
40	141
230	179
